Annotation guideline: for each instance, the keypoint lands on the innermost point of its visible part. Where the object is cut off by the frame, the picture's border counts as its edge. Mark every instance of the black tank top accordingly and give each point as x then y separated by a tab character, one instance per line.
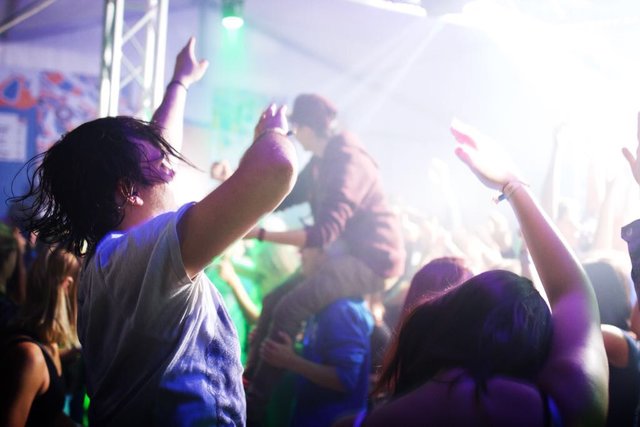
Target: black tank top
47	406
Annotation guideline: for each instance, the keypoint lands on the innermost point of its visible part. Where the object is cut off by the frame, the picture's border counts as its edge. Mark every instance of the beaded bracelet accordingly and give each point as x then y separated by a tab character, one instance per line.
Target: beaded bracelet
510	188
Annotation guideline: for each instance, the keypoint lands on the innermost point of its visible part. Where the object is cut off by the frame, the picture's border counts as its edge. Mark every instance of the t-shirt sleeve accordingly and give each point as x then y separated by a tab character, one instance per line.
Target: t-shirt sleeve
345	333
145	271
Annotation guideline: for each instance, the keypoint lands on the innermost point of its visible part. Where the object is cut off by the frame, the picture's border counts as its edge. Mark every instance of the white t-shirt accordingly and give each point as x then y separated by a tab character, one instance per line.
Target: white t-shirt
158	347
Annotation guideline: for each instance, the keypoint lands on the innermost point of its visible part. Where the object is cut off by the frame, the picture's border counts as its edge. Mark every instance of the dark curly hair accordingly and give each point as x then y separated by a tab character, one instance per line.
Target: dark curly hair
72	186
495	323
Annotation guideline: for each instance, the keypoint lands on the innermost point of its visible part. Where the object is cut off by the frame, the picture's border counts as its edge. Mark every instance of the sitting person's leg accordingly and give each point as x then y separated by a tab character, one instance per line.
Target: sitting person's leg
261	330
338	277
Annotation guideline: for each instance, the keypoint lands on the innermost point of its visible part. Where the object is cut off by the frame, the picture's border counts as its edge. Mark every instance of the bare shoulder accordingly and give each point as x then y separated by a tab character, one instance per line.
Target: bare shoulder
25	363
616	346
24	374
25	355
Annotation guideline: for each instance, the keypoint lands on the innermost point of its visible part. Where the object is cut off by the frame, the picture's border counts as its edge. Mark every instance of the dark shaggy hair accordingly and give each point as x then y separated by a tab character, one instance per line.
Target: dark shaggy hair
71	196
495	323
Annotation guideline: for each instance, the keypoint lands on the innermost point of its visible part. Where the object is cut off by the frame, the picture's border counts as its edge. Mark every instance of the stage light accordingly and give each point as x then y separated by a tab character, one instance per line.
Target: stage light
232	14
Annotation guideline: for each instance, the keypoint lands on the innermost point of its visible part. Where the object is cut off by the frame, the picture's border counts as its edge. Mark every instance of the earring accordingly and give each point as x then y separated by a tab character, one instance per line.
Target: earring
134	198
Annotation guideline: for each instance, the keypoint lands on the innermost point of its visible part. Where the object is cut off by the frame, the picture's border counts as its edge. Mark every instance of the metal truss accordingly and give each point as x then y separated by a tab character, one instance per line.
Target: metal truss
133	55
32	9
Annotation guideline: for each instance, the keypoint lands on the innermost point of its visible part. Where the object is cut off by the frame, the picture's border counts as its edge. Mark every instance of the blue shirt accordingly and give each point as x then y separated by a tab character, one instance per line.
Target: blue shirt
338	336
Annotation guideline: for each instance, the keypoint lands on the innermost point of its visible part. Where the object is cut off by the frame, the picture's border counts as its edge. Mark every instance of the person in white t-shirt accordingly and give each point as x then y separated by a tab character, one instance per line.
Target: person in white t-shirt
159	347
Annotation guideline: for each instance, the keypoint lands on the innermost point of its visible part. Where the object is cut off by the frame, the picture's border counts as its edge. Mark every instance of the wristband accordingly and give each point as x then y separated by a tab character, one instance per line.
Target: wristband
261	233
179	83
508	189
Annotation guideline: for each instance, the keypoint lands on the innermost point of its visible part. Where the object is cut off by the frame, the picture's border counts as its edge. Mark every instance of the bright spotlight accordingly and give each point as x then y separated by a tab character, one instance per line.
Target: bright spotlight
232	14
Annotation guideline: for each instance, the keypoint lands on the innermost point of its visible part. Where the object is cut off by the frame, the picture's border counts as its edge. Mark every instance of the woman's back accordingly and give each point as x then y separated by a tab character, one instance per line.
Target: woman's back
452	399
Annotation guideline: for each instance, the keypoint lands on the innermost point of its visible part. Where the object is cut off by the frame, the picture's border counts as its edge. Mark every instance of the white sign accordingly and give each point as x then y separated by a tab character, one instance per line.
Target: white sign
13	138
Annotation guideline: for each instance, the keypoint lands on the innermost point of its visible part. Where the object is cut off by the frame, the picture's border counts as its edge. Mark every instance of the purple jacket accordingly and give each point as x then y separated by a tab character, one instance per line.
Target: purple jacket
348	203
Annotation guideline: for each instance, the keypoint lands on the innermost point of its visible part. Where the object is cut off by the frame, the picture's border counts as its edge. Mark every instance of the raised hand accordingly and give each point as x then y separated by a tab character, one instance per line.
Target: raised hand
490	165
634	161
188	69
273	118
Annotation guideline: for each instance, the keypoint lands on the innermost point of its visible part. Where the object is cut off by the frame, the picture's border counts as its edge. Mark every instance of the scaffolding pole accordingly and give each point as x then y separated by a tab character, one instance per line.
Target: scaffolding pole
27	13
128	62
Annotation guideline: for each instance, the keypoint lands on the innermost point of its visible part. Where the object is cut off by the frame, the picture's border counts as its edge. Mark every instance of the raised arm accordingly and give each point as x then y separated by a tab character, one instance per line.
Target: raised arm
575	374
603	236
264	177
631	232
169	115
549	199
634	161
228	273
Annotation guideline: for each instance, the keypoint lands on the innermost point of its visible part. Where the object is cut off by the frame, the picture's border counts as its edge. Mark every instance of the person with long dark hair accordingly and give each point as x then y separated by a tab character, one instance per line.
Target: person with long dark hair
490	351
32	389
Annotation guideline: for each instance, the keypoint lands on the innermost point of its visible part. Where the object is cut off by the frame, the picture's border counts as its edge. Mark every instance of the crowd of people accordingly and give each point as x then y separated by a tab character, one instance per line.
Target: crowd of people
215	313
